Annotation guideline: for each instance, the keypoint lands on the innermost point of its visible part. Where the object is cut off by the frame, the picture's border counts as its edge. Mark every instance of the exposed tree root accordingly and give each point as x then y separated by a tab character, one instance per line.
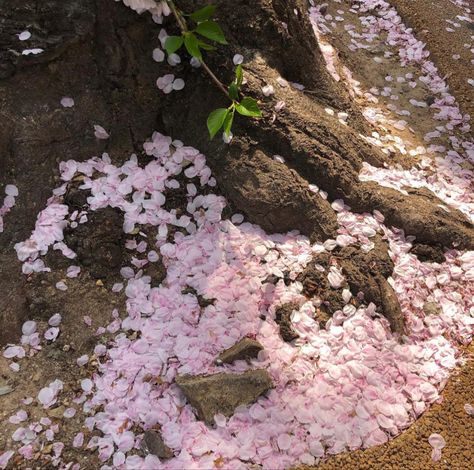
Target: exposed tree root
322	150
317	147
277	197
365	273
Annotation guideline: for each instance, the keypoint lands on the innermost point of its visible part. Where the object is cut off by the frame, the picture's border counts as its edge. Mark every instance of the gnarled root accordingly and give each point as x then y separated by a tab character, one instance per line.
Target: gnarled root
365	274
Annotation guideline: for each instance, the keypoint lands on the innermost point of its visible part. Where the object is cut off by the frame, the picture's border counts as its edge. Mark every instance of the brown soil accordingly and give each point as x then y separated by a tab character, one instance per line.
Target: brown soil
58	360
365	273
428	19
411	450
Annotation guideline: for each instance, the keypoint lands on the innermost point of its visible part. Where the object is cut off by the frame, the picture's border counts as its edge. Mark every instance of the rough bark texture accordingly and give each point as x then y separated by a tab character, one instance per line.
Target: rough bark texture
316	145
97	52
318	149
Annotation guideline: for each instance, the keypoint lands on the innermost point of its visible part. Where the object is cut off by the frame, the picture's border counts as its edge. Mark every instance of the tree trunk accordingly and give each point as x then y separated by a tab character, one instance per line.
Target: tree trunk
113	45
318	148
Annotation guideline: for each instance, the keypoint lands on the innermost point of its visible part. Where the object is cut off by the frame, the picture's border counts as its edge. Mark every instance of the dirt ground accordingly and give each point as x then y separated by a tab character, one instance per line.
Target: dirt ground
428	19
411	450
58	360
37	133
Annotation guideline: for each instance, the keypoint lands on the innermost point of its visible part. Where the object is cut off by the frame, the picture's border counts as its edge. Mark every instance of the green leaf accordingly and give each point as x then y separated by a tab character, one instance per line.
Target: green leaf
203	14
206	46
173	43
192	45
233	91
211	30
239	75
248	107
216	120
228	122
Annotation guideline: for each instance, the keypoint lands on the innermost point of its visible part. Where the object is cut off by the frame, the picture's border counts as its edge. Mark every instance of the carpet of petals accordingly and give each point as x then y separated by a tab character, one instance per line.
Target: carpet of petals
349	386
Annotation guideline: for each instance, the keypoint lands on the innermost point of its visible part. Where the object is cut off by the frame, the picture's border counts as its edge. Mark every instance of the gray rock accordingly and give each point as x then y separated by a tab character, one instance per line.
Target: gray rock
245	349
223	393
155	445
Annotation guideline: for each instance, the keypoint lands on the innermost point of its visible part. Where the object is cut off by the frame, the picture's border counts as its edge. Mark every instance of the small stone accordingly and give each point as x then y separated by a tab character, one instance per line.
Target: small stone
223	393
271	279
56	412
47	449
66	347
155	445
431	308
5	390
245	349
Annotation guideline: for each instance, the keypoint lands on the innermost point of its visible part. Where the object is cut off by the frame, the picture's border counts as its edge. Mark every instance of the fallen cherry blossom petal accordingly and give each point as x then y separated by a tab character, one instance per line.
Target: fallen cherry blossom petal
100	132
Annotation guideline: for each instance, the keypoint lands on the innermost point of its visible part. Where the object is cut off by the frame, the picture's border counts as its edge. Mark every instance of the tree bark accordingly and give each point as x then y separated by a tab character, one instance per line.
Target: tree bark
114	45
318	148
276	39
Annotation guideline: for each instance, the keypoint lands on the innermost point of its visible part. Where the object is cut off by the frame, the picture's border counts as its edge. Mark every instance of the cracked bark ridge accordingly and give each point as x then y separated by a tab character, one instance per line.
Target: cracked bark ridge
318	148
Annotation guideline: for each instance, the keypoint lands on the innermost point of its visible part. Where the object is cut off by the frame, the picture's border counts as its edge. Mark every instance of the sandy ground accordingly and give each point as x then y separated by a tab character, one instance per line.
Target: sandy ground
428	19
411	450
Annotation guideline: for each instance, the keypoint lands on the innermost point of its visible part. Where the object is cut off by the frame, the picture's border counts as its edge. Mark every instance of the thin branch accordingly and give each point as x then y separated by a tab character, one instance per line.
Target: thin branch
181	23
215	79
184	29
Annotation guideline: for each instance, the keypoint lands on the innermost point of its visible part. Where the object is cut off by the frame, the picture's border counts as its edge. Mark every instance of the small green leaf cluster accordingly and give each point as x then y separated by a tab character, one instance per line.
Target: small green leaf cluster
223	118
195	39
